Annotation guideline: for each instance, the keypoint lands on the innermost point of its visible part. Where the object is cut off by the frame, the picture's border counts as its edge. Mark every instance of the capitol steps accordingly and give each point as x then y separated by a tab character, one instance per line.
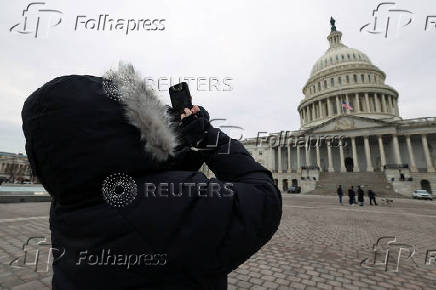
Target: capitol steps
328	183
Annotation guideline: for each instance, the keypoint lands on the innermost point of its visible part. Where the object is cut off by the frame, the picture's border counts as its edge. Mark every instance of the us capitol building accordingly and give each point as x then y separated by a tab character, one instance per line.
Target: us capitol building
351	132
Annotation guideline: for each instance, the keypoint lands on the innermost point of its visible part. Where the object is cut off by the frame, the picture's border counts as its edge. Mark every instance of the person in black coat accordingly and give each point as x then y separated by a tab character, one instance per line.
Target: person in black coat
371	195
340	193
130	210
360	197
351	196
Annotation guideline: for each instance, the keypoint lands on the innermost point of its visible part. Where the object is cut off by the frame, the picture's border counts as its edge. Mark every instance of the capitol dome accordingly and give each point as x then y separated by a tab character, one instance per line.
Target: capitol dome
344	81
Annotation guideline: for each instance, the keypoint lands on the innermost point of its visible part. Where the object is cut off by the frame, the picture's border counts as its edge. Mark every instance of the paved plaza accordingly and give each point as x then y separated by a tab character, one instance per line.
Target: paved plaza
320	245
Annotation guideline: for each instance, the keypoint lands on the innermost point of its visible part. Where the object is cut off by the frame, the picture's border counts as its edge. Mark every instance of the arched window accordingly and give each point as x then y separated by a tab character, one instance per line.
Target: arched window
325	84
348	79
332	82
343	57
348	56
319	86
340	80
362	77
355	78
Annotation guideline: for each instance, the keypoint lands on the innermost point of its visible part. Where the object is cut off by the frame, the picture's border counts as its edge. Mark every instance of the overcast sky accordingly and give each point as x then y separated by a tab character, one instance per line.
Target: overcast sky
265	48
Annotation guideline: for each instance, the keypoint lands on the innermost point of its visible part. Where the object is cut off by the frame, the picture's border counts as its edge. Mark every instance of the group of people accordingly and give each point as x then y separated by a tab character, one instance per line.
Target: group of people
360	196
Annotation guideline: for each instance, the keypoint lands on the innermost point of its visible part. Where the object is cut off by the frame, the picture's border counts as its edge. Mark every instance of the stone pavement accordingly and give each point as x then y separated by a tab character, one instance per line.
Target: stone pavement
319	245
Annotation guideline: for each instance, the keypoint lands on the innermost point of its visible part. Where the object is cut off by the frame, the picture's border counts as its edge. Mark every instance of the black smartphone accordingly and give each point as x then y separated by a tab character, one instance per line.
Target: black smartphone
180	97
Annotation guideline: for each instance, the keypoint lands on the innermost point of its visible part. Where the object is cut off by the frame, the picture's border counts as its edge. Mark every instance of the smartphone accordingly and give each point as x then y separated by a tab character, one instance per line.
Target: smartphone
180	97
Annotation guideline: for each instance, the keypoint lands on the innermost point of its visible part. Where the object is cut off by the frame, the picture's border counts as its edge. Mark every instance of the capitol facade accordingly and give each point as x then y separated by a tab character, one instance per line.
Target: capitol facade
351	132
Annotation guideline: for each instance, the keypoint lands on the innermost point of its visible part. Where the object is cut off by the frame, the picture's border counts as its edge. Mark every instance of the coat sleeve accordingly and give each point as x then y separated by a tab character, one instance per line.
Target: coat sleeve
256	201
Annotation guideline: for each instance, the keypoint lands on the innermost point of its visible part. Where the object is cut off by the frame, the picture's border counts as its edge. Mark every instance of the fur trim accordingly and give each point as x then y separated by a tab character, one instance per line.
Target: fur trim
143	110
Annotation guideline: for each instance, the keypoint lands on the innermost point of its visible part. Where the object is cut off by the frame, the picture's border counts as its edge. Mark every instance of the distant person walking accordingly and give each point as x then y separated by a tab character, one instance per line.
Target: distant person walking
371	195
360	197
351	196
340	194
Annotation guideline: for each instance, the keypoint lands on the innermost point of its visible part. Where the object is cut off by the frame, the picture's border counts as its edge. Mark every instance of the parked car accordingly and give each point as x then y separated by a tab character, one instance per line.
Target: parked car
422	194
294	189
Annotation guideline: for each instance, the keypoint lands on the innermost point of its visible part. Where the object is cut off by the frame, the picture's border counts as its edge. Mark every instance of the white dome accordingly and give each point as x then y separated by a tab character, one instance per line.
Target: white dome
339	55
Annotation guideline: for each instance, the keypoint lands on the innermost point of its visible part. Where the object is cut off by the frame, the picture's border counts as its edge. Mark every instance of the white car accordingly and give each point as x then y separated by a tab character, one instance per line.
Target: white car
422	194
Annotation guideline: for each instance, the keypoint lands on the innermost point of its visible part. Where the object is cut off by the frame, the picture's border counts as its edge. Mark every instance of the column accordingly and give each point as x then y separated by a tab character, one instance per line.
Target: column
330	159
273	159
279	159
384	109
298	159
368	108
392	105
377	103
396	107
355	156
396	149
321	113
430	167
382	152
308	161
329	107
318	158
341	153
369	167
411	156
289	159
312	108
357	104
338	105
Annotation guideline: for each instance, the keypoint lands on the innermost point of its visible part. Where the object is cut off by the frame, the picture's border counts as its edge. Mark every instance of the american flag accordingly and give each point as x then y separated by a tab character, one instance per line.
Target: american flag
346	106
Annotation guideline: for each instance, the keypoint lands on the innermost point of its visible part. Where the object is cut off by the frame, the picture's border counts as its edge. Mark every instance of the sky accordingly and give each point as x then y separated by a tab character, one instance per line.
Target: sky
248	60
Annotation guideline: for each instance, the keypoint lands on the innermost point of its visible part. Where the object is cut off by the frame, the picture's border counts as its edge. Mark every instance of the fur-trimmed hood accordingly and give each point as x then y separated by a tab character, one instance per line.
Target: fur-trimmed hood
143	110
81	129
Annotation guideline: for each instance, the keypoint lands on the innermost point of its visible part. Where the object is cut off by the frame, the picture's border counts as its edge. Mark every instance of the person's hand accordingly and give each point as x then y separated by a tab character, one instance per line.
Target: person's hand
188	112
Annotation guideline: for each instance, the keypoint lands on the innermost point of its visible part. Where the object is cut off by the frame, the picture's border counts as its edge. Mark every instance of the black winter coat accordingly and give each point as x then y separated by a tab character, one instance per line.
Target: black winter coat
80	132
